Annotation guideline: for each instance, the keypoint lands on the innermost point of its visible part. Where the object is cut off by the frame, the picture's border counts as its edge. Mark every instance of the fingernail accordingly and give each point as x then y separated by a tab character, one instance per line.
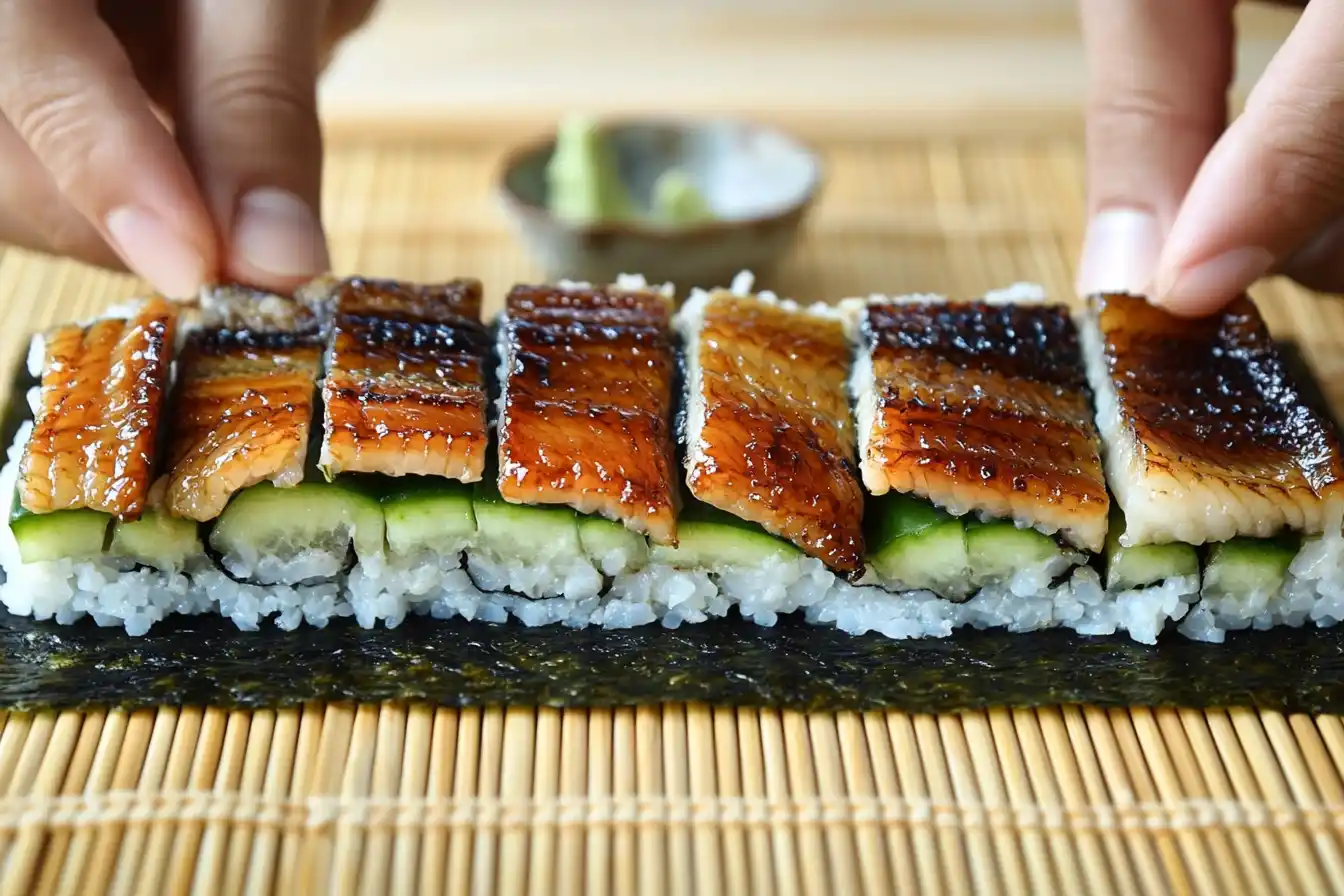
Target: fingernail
156	251
277	234
1211	284
1120	252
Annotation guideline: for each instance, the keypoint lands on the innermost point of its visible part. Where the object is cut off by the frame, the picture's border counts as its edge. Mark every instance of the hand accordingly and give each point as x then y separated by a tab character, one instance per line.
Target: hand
1184	207
89	169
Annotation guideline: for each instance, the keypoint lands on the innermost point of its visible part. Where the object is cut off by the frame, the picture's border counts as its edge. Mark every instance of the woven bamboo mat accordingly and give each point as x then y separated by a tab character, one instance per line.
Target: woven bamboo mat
374	799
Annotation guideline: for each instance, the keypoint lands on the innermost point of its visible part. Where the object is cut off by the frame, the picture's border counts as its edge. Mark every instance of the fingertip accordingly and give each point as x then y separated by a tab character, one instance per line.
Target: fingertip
277	240
1120	252
155	249
1205	287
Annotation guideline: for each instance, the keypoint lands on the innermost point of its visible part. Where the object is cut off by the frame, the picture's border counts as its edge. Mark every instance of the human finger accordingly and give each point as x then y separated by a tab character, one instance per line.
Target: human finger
247	119
70	93
1157	75
1274	179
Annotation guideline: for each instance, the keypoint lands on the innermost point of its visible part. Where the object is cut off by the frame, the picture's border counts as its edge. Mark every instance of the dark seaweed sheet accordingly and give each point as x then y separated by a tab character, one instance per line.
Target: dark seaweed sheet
206	660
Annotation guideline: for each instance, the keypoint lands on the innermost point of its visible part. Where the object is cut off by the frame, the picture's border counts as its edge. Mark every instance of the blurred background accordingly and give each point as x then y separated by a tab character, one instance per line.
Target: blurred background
900	66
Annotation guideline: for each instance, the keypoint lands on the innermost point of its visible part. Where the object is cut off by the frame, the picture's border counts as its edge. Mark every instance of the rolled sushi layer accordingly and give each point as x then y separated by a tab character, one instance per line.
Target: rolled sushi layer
1210	444
773	510
239	462
586	472
83	533
987	499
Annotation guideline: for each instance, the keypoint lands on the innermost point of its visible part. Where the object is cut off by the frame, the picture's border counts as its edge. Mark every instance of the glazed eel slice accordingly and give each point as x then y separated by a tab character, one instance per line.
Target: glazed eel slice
586	404
1207	435
97	418
244	400
405	389
768	430
976	442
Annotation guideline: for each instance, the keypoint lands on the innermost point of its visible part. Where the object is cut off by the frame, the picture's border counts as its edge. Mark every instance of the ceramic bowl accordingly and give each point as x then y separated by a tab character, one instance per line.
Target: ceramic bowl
758	182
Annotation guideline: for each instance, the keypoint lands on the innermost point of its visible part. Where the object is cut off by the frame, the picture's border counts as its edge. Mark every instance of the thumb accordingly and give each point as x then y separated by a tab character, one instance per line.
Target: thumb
1274	179
1158	73
248	121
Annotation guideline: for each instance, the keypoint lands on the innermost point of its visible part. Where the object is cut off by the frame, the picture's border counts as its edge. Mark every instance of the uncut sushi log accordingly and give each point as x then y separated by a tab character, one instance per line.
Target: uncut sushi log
1207	436
96	422
769	436
245	399
981	407
404	392
586	404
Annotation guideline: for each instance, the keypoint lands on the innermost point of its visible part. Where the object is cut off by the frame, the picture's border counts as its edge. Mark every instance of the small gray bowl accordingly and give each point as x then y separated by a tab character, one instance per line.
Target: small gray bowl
758	182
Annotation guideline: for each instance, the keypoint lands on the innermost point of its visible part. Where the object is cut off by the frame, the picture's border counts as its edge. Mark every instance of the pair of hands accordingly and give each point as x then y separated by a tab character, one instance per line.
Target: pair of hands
1182	206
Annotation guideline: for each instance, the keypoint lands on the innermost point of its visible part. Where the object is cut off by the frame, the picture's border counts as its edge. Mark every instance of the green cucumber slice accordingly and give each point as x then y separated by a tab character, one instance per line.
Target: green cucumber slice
914	545
1144	565
1243	568
611	546
59	535
523	530
709	538
157	540
266	521
427	513
998	550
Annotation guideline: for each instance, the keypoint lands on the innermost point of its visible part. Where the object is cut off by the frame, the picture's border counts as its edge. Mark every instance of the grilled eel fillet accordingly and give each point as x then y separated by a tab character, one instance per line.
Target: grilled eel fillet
1207	435
96	428
586	406
981	407
405	388
244	402
768	430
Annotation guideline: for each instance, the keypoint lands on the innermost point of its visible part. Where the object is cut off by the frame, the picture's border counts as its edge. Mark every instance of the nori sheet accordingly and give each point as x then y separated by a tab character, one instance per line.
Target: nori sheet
207	660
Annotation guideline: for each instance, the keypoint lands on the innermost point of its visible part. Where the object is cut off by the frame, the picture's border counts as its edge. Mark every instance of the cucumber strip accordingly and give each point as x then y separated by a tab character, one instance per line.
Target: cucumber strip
1243	568
1144	565
157	540
710	538
264	523
998	550
427	513
611	546
60	535
914	545
523	530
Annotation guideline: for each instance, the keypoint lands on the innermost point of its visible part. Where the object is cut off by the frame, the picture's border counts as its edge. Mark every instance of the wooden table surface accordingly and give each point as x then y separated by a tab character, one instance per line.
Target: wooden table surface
867	66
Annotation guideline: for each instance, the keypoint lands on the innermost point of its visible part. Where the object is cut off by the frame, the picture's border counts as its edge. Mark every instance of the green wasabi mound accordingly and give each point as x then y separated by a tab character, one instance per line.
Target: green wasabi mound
584	186
677	201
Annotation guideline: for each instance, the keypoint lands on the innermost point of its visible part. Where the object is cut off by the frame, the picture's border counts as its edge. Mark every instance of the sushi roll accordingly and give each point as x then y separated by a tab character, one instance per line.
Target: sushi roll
585	478
405	403
1213	455
87	532
982	463
772	511
240	462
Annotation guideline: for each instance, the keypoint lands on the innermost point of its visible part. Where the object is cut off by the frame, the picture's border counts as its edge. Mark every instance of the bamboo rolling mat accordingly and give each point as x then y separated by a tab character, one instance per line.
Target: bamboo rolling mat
681	799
